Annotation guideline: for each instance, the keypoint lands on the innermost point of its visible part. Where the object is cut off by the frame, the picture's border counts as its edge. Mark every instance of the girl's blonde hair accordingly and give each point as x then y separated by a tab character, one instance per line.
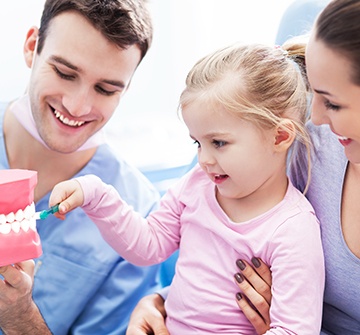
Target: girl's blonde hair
261	84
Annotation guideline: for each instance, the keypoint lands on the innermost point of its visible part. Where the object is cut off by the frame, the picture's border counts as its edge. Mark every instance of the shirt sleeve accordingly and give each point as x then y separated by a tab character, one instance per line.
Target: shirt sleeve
297	276
164	292
126	230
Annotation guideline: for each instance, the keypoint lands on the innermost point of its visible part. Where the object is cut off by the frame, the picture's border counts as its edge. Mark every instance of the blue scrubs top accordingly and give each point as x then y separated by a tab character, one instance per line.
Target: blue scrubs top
82	286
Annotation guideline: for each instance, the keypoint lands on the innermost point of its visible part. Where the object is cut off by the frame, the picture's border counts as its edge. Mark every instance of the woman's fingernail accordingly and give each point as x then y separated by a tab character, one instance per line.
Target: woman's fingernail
255	262
239	278
238	296
240	264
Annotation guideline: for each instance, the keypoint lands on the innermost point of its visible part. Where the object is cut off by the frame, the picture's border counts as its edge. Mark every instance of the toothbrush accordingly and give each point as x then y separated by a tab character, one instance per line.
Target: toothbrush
45	213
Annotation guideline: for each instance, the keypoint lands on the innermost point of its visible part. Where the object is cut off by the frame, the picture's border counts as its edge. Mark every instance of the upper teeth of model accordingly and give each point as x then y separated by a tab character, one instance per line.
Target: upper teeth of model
68	122
22	219
343	138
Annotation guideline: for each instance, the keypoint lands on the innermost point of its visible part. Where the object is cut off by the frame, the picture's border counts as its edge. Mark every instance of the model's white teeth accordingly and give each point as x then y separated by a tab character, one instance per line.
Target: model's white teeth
22	219
19	215
65	120
25	225
29	211
10	217
342	138
15	226
5	228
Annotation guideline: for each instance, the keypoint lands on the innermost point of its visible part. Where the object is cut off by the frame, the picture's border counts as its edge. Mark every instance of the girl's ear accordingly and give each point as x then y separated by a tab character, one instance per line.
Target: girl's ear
30	46
284	135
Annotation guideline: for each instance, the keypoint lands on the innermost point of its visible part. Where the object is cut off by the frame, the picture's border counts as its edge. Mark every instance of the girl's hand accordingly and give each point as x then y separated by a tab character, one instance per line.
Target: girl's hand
69	195
255	284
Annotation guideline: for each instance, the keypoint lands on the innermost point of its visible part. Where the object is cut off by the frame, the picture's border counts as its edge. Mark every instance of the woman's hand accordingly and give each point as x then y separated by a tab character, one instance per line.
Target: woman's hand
148	317
255	284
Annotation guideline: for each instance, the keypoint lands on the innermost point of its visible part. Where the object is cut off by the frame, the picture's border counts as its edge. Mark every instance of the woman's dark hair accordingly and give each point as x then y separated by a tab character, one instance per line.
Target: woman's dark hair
338	27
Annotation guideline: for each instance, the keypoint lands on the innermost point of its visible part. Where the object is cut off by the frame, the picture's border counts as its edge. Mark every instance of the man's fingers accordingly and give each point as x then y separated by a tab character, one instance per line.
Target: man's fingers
27	266
18	276
148	317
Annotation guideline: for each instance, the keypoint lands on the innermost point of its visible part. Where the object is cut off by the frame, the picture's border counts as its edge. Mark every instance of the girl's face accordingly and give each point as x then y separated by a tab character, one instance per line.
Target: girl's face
237	156
336	99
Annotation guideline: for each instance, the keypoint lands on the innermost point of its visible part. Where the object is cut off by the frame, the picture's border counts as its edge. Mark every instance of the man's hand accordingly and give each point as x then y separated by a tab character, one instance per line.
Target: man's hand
18	313
148	317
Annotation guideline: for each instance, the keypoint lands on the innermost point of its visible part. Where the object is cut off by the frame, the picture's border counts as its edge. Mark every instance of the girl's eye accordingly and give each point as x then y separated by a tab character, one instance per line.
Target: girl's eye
63	75
197	143
331	106
218	144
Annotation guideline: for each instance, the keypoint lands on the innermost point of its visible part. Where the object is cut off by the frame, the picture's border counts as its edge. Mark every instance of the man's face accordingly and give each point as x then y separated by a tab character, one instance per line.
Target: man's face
77	80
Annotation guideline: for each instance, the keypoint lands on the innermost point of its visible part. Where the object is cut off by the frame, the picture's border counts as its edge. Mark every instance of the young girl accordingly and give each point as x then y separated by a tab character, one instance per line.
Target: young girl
244	107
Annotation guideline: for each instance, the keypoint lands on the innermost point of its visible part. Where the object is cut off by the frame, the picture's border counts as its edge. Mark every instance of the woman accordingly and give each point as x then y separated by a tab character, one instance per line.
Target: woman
333	67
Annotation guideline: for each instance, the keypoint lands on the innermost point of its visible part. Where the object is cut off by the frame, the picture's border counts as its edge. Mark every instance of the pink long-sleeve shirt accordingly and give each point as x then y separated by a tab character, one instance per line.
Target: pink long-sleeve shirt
202	295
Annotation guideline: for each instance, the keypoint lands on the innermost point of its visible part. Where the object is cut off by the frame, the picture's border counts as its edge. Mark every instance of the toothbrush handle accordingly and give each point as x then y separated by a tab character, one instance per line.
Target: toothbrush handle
54	209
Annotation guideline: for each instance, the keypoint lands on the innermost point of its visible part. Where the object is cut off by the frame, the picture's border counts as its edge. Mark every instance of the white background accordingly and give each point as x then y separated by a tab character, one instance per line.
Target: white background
145	128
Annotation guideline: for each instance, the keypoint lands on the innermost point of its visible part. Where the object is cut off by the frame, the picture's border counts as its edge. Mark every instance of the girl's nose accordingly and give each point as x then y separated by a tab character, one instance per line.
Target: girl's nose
205	158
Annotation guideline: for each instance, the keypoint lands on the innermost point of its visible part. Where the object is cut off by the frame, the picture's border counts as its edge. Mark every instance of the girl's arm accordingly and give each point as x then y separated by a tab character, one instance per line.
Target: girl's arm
140	241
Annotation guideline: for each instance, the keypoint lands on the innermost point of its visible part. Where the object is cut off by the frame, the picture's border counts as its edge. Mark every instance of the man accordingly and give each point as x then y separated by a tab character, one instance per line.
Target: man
82	57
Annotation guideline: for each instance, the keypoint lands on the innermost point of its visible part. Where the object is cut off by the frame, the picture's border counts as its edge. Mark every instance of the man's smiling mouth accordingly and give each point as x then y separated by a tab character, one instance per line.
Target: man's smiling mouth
66	121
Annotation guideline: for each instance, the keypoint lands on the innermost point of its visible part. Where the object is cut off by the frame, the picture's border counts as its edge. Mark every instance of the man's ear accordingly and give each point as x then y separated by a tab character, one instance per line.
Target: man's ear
30	46
284	135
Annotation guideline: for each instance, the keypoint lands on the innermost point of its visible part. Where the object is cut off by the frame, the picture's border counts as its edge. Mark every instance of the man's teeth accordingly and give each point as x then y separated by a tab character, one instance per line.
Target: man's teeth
65	120
22	219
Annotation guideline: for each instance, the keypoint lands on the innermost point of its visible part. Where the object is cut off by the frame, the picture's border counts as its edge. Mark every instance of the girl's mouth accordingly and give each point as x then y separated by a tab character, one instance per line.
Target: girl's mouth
219	178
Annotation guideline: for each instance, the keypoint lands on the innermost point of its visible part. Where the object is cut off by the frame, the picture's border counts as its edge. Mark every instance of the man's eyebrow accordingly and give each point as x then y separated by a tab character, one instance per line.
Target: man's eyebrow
63	61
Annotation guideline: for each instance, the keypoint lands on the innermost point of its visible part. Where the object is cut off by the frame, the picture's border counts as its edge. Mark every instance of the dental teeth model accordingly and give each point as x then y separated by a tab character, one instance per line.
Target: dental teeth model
19	239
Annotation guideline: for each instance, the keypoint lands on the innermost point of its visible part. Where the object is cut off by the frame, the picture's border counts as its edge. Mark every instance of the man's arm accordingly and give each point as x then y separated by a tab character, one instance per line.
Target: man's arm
148	317
19	315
